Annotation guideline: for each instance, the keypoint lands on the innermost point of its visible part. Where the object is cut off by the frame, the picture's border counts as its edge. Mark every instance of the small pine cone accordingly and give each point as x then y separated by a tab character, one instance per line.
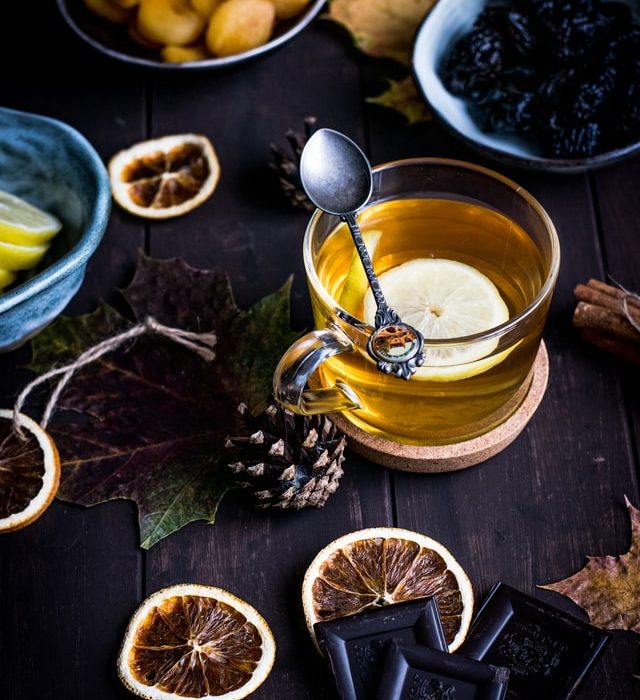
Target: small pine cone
287	461
286	166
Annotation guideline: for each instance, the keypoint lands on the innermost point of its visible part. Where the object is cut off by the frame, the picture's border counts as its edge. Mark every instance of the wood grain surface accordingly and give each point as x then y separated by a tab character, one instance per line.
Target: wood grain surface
528	516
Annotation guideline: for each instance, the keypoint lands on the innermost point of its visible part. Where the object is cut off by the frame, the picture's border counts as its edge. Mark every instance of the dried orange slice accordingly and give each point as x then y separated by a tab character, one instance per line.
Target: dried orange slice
164	177
193	641
29	472
384	565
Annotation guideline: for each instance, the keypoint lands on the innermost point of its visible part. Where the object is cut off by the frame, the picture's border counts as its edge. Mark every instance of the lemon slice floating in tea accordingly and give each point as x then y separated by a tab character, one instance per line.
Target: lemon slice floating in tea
193	641
385	565
445	299
164	177
29	471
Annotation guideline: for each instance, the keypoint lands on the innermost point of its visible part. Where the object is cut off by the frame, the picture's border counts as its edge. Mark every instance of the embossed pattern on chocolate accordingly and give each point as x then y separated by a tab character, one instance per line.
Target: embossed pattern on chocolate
528	650
414	672
430	688
548	652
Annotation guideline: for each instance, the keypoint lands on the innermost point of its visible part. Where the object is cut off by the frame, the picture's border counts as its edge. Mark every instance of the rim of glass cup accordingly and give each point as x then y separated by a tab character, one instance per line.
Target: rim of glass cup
499	330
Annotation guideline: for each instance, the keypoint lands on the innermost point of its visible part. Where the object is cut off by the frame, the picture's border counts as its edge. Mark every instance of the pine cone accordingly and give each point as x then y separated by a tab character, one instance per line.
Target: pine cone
287	168
287	461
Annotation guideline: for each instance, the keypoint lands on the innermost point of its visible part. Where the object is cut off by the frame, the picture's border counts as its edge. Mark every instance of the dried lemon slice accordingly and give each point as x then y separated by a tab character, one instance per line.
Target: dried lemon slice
193	641
385	565
164	177
29	472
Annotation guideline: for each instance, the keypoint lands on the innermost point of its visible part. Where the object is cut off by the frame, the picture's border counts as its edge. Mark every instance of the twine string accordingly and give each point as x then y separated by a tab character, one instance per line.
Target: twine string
624	305
624	302
200	343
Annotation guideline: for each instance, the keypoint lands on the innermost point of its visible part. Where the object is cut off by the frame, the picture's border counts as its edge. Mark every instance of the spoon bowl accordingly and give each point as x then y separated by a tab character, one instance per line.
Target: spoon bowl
335	173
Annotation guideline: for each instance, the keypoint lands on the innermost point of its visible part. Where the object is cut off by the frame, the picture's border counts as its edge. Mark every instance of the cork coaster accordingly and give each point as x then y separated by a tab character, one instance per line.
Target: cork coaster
448	458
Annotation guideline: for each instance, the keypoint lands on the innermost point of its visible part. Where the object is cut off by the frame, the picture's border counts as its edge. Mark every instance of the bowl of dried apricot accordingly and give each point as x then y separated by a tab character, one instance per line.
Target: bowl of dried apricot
195	34
55	201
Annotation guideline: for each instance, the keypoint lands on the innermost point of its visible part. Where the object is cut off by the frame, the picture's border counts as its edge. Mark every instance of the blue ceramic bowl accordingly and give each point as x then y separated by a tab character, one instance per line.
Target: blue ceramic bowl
51	165
441	28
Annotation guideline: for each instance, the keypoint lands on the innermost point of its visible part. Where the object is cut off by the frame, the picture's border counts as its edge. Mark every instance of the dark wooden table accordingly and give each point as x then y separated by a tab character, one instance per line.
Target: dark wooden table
69	582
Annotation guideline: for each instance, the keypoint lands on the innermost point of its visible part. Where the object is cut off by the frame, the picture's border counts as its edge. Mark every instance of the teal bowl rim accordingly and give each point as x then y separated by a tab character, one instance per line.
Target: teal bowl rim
77	256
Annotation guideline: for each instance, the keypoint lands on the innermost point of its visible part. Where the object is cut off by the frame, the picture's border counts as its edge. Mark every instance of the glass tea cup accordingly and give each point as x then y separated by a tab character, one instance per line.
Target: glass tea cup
425	209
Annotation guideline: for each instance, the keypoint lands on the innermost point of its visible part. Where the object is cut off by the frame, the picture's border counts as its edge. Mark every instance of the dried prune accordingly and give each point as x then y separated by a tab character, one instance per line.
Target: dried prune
510	110
575	141
591	94
613	16
552	90
626	104
522	32
549	9
488	49
572	37
460	74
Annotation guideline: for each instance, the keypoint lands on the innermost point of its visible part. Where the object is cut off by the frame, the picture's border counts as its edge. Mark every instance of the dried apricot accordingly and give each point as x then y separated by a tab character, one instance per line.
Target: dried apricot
205	8
240	25
289	8
172	22
183	54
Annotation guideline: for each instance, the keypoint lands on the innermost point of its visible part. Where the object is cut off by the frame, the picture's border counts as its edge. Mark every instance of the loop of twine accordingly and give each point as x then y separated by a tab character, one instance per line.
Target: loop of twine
624	302
200	343
624	305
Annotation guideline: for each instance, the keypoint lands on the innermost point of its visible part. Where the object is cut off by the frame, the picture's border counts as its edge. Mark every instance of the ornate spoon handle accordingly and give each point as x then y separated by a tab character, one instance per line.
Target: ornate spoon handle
396	347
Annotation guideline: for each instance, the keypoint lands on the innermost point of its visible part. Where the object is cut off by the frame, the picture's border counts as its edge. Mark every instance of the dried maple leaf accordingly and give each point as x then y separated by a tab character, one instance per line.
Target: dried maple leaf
608	588
403	96
150	419
380	27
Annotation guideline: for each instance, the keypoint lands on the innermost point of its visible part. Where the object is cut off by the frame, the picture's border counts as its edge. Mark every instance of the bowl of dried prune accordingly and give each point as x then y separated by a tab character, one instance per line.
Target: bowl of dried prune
543	84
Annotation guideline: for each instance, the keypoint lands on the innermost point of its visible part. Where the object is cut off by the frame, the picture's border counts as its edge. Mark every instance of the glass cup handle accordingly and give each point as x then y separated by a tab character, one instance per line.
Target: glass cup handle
299	362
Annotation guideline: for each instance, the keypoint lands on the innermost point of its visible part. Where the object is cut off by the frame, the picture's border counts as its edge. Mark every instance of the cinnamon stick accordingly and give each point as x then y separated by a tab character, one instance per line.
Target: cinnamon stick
609	319
614	292
595	295
604	321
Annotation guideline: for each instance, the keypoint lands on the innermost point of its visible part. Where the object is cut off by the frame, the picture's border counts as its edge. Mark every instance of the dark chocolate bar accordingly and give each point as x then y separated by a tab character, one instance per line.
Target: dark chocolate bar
414	672
547	651
356	645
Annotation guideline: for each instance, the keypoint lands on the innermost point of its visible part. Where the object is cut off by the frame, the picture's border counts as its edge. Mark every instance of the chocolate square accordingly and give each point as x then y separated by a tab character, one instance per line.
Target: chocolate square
356	645
413	672
547	651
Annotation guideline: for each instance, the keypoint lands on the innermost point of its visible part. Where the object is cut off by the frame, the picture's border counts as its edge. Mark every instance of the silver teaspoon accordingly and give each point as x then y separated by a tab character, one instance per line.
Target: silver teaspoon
336	176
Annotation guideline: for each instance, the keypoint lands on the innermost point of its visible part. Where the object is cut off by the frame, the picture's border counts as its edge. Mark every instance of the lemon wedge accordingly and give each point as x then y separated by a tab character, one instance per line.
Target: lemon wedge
20	257
23	224
356	281
445	299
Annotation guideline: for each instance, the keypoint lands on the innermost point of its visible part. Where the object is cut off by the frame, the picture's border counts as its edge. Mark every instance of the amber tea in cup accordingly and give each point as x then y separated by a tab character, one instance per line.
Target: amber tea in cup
456	247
